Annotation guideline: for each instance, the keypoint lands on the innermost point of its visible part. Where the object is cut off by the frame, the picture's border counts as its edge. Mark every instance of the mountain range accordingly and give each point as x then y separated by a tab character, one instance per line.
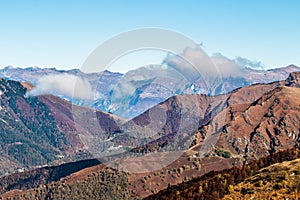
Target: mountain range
181	138
129	95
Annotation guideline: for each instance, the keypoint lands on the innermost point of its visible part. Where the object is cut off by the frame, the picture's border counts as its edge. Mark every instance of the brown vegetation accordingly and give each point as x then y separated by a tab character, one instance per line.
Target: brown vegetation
215	185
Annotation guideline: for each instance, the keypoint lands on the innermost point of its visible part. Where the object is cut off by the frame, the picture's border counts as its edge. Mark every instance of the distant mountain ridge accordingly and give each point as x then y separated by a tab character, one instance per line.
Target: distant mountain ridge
128	95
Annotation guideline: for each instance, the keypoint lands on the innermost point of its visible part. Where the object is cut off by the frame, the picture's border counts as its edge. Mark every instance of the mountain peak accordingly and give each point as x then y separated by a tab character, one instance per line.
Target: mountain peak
288	69
293	79
294	76
292	66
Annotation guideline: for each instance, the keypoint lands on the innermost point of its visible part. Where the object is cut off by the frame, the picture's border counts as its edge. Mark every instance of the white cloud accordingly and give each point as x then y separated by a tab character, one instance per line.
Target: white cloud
194	62
244	62
226	66
63	84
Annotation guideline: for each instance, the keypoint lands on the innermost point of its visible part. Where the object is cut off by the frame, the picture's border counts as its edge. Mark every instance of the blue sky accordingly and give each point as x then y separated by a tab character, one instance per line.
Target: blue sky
56	33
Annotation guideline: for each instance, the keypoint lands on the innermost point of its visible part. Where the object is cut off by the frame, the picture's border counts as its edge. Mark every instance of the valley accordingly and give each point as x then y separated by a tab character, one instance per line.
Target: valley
196	135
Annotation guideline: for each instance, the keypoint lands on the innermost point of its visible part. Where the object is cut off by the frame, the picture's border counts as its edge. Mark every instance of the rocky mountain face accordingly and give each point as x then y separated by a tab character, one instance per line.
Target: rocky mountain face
269	124
178	118
133	93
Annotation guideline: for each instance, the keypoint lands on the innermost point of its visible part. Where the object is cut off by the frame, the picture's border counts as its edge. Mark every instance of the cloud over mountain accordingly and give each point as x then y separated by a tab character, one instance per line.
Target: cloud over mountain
63	84
244	62
194	62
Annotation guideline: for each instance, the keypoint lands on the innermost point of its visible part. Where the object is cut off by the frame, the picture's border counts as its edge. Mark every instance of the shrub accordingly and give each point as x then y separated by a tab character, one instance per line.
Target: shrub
223	153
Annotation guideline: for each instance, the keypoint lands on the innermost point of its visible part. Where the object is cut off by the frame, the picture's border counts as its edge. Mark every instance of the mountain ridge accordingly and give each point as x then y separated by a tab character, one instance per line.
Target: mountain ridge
222	116
127	96
39	130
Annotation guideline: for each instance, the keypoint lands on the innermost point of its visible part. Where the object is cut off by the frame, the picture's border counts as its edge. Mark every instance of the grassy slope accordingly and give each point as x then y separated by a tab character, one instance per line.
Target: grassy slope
278	181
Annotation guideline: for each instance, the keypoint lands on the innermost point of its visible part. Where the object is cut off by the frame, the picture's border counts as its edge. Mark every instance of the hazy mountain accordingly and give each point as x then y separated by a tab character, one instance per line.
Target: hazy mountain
136	91
140	89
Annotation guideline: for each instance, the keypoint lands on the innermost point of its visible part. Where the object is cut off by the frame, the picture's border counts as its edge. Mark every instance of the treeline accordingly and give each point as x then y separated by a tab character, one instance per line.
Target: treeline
34	178
215	185
105	184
